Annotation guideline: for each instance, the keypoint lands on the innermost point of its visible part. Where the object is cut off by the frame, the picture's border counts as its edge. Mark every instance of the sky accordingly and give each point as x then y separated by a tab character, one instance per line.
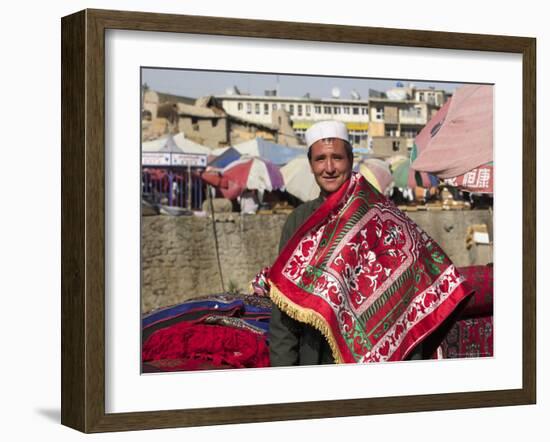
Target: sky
197	83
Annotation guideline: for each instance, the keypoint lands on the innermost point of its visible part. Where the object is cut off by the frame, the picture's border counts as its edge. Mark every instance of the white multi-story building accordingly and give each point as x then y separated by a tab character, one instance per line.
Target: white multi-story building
385	124
303	111
398	115
436	97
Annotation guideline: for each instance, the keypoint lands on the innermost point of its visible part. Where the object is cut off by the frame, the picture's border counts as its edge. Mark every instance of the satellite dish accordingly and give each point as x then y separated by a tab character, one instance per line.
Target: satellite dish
355	95
335	92
229	91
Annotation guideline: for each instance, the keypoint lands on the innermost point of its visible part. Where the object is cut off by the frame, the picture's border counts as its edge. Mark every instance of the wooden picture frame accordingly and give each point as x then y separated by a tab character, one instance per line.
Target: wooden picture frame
83	220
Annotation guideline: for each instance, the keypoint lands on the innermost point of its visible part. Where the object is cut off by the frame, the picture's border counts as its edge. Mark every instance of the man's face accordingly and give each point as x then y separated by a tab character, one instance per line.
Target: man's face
330	164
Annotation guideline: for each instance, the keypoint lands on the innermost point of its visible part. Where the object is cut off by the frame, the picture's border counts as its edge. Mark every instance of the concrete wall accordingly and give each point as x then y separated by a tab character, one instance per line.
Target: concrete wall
241	133
449	229
210	132
383	146
179	258
391	114
376	129
179	254
151	102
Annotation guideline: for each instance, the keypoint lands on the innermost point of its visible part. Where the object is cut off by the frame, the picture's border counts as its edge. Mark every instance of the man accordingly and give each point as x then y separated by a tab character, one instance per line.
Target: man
355	280
331	159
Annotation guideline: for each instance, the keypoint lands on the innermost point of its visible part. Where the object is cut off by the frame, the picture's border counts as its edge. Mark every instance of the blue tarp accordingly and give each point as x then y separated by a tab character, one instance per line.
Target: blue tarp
258	147
277	153
225	158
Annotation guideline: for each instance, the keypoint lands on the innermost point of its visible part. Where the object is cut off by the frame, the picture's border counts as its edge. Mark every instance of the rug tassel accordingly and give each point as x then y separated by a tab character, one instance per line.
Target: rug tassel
306	316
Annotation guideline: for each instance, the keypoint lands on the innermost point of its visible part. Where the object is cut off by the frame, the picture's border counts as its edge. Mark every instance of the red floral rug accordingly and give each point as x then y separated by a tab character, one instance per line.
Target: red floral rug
360	271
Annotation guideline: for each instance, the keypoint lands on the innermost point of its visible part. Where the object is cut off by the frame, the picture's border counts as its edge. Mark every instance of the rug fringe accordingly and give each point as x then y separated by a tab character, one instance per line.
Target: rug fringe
306	316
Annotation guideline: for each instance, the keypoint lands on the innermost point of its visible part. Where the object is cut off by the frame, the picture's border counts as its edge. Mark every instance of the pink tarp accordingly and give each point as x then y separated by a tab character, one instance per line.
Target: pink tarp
459	137
479	180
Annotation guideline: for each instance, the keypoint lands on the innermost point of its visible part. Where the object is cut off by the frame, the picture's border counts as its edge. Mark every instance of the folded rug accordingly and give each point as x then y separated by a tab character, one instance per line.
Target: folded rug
220	346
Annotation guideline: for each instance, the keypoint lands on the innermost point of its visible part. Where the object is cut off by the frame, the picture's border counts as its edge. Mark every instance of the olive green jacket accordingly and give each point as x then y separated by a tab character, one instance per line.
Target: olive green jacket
292	342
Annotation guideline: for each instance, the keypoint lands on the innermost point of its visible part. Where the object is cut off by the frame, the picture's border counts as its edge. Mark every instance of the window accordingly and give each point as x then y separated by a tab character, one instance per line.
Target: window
274	106
365	110
248	108
379	113
317	109
336	110
346	110
257	108
395	146
239	106
421	96
328	110
359	136
355	111
308	110
291	109
300	110
266	109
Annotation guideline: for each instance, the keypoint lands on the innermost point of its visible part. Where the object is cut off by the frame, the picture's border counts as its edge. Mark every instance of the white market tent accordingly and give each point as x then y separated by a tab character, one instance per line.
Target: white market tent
174	150
175	144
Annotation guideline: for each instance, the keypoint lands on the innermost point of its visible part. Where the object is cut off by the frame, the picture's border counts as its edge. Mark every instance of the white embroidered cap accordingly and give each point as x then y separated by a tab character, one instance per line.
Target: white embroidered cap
326	129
